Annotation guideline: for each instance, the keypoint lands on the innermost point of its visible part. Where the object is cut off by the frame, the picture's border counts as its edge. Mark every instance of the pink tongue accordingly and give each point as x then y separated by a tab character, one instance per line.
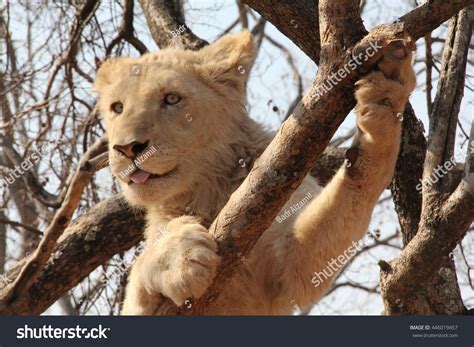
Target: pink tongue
139	176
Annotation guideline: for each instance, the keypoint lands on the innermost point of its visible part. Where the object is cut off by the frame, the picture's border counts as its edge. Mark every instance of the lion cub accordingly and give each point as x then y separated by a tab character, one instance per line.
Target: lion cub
178	137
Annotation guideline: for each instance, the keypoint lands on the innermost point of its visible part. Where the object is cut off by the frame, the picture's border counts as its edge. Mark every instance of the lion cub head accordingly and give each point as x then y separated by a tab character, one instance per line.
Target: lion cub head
167	114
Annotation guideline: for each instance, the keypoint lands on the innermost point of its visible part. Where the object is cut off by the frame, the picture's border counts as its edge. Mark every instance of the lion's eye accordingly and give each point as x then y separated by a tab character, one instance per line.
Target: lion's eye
172	99
117	107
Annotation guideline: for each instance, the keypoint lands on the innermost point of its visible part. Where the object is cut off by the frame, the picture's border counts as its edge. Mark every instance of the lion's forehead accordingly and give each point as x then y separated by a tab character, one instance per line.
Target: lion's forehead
152	79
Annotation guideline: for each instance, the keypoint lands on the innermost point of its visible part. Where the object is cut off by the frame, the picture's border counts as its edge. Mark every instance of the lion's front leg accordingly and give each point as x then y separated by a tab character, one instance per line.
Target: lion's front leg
325	232
138	301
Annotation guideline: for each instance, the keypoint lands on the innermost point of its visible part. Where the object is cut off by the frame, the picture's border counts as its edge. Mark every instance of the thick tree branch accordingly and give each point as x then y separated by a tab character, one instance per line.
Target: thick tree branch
446	215
430	14
447	103
164	21
108	228
298	20
408	171
401	280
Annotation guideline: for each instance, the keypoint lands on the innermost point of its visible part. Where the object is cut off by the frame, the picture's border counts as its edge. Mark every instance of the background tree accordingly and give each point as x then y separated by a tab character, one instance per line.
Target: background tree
66	235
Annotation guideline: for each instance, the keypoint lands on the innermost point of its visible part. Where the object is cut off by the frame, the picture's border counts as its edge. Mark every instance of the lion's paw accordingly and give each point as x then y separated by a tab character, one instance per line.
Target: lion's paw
183	264
396	63
392	84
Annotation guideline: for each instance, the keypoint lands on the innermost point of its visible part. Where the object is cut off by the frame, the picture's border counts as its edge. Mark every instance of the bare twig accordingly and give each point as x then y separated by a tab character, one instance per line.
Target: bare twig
126	32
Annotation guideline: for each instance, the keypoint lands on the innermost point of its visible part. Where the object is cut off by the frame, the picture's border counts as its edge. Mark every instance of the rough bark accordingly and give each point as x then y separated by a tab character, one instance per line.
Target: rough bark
408	172
402	279
298	20
423	279
442	291
165	18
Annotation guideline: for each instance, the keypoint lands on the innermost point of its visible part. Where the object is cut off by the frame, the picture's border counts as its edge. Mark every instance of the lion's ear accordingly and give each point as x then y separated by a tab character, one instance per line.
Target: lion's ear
229	59
111	71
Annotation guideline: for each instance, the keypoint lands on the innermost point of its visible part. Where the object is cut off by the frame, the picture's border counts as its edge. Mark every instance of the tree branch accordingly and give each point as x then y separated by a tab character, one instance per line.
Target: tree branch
33	267
447	103
298	20
446	215
108	228
126	31
164	20
408	172
29	179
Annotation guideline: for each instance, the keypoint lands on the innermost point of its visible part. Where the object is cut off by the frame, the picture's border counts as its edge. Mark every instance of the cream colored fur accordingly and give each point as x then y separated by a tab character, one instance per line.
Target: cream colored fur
207	143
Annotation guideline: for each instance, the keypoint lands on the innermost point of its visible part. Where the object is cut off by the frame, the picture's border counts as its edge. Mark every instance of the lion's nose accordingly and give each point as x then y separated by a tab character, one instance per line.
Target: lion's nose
132	149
